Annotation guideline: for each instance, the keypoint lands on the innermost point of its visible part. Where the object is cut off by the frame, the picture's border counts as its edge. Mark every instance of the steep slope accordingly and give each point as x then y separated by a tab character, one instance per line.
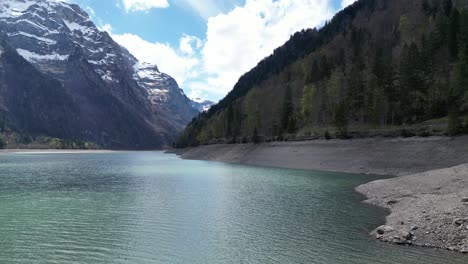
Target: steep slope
40	100
118	102
378	64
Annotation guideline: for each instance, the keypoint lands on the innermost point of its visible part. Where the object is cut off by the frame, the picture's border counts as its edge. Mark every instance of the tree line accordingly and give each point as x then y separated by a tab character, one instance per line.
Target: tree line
412	68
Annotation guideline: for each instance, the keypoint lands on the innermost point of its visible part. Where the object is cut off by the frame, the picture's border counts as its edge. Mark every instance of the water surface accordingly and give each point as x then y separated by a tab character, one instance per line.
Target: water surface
149	207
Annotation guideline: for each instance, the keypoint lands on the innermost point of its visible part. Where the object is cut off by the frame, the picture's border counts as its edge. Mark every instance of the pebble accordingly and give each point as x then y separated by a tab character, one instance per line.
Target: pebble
408	235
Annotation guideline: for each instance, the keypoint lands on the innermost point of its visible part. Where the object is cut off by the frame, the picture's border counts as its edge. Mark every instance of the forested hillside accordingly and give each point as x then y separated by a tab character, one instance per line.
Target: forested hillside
378	65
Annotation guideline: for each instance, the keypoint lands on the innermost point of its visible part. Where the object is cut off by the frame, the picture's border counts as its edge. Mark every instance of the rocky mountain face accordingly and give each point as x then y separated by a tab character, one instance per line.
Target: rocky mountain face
61	76
202	105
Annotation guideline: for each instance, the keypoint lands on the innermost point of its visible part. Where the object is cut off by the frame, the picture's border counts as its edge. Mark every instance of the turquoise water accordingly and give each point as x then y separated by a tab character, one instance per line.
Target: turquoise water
150	207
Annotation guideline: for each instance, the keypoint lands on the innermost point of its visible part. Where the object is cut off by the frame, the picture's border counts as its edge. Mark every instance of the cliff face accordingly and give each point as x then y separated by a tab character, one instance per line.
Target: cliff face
95	91
378	64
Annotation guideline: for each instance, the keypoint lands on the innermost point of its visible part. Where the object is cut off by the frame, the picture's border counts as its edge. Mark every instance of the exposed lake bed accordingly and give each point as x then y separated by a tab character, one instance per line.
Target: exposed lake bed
149	207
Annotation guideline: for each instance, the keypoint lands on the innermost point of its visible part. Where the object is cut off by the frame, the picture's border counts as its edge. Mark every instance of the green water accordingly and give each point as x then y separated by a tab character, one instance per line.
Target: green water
149	207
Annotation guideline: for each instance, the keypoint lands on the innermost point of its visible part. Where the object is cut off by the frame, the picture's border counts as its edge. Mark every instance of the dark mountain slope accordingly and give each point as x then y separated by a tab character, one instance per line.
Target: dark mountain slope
378	64
40	102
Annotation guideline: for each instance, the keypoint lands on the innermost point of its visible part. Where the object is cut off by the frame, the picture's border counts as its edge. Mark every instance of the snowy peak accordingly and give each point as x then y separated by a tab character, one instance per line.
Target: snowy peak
17	8
46	32
201	105
61	42
146	72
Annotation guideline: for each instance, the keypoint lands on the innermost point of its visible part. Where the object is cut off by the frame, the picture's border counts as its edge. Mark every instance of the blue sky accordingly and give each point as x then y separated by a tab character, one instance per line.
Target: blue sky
206	45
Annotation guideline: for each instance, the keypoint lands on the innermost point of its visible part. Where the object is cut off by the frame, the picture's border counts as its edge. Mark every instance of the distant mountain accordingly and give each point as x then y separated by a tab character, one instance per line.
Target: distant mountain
377	65
202	105
63	77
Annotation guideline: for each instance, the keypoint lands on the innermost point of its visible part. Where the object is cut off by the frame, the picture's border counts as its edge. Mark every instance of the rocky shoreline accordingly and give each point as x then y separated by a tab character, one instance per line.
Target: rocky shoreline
428	209
428	203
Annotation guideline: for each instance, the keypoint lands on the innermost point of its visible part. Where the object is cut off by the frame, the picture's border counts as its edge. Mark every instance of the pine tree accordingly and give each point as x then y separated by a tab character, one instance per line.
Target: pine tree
314	73
462	65
341	120
447	7
228	131
307	102
325	68
3	144
454	121
426	7
287	118
255	137
453	30
413	90
356	93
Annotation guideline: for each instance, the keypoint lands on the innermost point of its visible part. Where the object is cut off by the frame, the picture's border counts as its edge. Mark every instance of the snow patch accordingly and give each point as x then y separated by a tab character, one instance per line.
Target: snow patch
46	40
153	92
108	77
31	56
201	105
146	71
38	26
73	26
14	8
101	62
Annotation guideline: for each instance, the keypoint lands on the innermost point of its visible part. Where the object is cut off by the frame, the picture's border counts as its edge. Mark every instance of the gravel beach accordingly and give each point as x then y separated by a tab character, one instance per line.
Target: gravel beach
427	209
380	156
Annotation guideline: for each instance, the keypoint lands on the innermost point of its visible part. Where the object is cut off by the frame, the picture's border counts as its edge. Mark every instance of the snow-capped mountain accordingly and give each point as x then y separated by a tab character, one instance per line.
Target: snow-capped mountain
121	102
202	105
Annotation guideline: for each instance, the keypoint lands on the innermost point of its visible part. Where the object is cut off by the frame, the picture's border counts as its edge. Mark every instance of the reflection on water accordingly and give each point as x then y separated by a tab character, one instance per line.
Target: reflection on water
148	207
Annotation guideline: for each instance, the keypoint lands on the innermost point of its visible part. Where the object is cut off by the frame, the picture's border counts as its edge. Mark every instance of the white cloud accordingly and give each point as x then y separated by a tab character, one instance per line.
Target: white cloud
238	40
169	60
188	43
234	43
143	5
105	27
90	11
345	3
203	8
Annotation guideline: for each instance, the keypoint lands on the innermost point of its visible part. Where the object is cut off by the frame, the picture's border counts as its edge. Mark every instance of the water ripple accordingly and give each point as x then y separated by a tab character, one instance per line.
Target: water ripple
132	208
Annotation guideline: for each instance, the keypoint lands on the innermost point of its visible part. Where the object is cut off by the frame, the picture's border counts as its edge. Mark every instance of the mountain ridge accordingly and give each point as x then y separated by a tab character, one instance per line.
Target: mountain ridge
122	103
377	65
